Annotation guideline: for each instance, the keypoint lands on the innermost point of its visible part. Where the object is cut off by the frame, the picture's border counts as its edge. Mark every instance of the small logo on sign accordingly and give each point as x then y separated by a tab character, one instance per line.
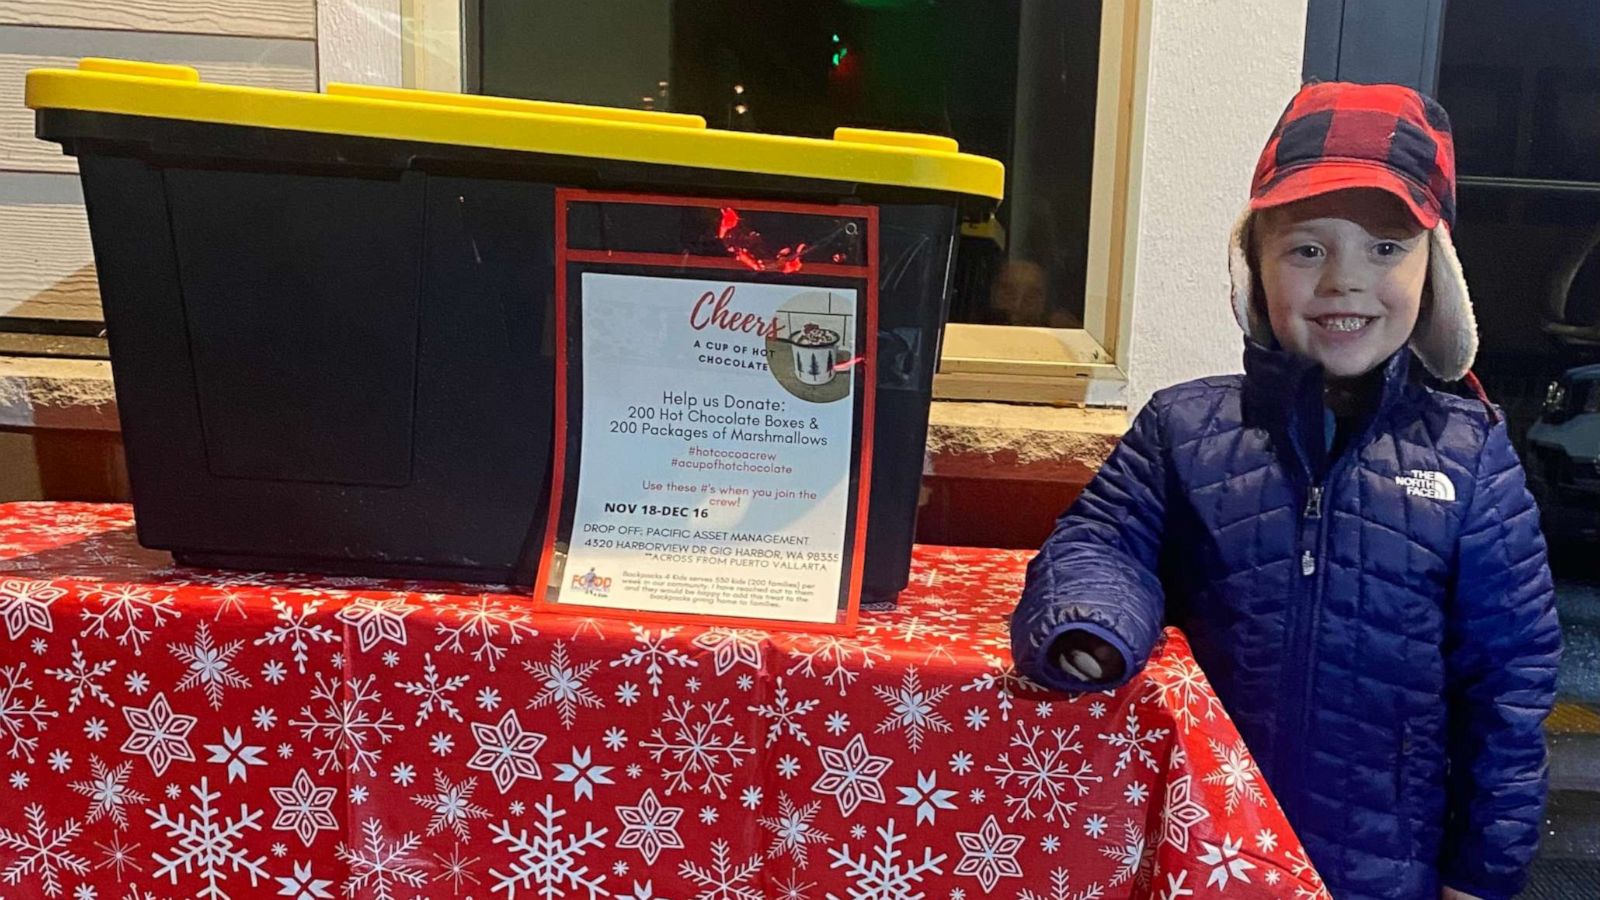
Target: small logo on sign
1428	485
592	584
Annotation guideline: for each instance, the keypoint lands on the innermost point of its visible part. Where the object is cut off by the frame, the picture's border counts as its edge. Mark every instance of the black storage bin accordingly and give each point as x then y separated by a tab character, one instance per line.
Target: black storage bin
330	316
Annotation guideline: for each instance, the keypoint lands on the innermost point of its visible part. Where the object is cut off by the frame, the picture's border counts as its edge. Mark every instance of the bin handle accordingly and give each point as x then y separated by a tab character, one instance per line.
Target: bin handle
933	142
512	105
138	69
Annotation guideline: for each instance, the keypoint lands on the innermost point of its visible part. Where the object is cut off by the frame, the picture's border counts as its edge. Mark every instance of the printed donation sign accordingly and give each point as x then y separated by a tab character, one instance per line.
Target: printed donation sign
712	428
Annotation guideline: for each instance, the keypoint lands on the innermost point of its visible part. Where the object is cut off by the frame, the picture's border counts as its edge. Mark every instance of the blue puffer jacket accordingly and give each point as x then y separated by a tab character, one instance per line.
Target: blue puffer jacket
1379	625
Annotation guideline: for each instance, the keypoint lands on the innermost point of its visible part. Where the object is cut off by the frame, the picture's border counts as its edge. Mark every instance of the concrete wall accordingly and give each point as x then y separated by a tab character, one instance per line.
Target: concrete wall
1219	74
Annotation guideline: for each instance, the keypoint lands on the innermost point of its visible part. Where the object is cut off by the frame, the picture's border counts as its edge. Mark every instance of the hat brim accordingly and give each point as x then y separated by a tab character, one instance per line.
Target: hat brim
1328	176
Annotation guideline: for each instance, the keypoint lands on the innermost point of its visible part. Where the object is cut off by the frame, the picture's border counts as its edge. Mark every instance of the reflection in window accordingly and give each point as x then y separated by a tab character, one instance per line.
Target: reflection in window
1010	79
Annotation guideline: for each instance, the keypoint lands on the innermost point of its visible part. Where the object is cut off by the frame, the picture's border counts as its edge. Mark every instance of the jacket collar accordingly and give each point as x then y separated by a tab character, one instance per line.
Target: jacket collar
1283	393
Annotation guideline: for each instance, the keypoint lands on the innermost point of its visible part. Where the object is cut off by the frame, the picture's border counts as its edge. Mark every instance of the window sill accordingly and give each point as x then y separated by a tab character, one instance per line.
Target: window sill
1011	442
39	393
994	441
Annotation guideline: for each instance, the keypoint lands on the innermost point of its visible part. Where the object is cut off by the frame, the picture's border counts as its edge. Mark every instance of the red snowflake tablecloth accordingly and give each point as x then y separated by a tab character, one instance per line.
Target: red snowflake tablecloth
172	732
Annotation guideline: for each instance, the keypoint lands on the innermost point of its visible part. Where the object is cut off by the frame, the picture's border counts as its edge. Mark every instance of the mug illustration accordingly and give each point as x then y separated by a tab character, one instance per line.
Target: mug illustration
813	354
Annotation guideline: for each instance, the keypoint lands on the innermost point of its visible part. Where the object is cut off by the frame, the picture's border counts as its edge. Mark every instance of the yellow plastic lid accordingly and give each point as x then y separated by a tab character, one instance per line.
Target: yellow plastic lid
855	154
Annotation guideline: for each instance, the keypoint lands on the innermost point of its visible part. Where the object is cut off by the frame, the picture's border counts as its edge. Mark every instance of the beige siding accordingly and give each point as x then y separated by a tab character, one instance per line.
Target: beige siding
278	64
255	18
46	264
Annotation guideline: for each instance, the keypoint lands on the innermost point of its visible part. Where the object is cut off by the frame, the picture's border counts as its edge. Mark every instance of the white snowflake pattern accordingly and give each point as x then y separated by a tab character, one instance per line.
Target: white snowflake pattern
1004	681
304	808
934	633
95	729
117	855
1177	886
649	827
108	791
654	655
1181	813
833	655
1266	840
885	873
851	775
785	715
159	735
1095	826
126	607
207	842
506	750
583	774
563	684
456	868
43	849
346	725
913	709
788	766
1043	774
551	857
1311	887
379	865
989	854
702	741
292	628
926	797
377	620
793	829
84	678
451	805
26	604
235	754
615	738
209	665
435	692
482	623
304	885
1132	742
1237	773
1061	889
18	713
1225	862
732	647
1134	855
1180	687
961	762
723	879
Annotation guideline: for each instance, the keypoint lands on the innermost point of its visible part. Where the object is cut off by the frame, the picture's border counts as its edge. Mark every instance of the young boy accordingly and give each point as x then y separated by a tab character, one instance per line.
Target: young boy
1352	554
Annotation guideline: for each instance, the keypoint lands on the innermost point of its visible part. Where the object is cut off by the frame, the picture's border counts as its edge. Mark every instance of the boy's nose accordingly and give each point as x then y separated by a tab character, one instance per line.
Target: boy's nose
1340	278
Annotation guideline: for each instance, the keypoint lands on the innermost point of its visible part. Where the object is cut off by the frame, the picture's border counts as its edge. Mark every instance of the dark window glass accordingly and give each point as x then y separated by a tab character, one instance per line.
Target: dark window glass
1522	84
1009	79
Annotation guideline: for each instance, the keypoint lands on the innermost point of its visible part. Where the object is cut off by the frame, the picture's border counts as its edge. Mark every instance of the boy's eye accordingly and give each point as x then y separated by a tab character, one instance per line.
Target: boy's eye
1307	251
1388	248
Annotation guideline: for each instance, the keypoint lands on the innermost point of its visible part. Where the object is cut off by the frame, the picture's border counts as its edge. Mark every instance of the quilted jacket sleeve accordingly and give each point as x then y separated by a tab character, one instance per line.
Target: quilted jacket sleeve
1503	645
1097	571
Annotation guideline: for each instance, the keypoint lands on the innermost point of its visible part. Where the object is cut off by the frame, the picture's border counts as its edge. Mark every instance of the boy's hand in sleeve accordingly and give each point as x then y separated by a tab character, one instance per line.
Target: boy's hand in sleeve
1453	894
1088	658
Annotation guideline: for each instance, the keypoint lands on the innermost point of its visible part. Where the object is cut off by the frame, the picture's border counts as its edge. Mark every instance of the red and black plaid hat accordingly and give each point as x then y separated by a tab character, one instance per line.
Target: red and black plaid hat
1335	136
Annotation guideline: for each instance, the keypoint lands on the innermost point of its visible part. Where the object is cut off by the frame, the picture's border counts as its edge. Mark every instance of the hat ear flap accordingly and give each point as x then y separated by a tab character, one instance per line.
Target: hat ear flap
1446	337
1252	320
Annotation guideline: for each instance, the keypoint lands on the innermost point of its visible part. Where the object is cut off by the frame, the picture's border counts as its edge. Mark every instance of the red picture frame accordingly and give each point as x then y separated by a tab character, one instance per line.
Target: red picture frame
866	364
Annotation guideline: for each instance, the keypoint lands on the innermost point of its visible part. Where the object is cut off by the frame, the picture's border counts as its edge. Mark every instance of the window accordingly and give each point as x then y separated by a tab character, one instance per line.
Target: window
1044	86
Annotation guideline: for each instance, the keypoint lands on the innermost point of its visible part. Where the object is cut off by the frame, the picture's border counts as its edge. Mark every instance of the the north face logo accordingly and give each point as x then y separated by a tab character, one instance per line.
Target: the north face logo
1430	485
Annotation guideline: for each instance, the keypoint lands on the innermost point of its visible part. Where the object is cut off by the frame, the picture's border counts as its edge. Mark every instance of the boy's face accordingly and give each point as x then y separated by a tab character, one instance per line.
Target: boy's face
1343	275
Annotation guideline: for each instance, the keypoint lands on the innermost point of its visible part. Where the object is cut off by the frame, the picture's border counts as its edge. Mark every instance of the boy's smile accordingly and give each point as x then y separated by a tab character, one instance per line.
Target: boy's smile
1343	275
